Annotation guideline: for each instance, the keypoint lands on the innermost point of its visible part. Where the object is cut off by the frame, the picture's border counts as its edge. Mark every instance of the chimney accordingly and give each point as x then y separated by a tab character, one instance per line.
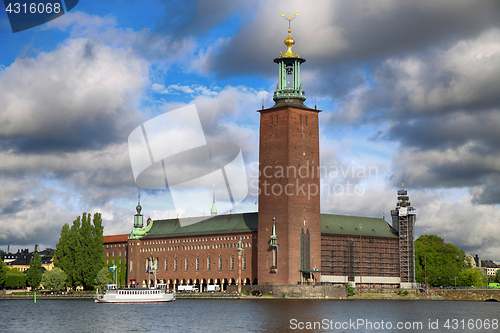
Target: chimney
36	248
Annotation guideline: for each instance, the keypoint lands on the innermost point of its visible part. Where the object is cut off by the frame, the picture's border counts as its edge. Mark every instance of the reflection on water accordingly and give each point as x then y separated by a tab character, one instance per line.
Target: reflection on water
249	316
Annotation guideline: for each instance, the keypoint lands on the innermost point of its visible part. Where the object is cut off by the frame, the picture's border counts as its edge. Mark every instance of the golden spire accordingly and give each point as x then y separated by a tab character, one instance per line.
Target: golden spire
289	42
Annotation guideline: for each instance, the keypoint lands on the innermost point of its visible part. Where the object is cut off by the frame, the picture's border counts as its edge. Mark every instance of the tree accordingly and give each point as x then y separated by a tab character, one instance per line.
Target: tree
55	279
63	256
93	241
3	273
14	278
121	270
102	278
497	276
444	261
471	277
80	250
35	271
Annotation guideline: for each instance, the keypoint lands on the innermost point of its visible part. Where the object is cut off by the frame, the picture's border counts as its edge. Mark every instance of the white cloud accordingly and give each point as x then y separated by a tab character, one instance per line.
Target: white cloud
472	227
175	89
80	85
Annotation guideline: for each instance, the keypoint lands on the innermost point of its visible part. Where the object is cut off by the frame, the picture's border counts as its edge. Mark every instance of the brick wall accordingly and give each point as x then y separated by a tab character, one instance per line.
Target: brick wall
289	190
193	248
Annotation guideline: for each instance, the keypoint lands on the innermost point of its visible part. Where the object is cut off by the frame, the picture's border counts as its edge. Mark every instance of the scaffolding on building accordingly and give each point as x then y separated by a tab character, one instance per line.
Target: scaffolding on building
403	220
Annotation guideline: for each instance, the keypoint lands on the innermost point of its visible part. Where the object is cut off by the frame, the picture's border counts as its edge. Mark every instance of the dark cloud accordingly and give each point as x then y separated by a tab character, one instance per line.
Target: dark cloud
450	130
381	29
336	33
197	17
489	191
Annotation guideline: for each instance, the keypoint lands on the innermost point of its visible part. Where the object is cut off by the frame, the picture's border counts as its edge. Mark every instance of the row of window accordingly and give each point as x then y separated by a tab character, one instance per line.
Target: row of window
188	240
192	240
139	292
113	253
196	247
115	245
152	264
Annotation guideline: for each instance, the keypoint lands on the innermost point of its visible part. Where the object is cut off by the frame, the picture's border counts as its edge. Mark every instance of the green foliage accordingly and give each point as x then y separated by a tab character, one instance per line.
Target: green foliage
102	278
444	261
121	270
80	251
244	292
3	273
471	277
35	271
13	280
403	293
54	280
350	290
13	270
497	277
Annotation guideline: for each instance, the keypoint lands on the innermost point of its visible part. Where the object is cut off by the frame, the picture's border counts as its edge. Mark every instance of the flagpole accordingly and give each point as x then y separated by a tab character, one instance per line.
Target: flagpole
115	277
150	265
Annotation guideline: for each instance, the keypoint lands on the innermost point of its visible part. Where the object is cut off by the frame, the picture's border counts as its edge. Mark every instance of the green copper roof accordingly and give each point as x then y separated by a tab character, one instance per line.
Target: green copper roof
219	224
349	225
247	222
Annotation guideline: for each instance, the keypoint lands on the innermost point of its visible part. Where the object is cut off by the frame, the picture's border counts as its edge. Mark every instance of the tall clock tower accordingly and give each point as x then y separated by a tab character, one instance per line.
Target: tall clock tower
289	237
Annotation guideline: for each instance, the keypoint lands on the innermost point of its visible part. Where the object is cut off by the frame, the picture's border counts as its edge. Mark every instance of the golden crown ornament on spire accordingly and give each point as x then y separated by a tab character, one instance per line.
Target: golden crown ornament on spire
289	40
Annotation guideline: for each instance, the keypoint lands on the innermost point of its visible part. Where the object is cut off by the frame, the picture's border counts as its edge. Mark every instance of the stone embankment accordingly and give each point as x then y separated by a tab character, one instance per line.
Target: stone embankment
47	296
468	294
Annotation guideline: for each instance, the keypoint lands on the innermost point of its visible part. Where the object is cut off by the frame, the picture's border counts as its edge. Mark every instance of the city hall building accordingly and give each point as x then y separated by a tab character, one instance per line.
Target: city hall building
288	241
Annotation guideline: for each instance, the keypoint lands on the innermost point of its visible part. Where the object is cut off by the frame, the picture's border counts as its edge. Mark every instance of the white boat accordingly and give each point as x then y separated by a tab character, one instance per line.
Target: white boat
135	295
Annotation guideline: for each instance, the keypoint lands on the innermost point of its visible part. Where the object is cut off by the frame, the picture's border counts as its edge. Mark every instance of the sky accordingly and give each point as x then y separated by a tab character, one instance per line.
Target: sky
409	92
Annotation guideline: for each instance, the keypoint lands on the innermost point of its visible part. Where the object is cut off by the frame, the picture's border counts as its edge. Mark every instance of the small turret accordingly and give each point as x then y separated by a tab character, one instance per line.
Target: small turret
138	232
213	211
138	217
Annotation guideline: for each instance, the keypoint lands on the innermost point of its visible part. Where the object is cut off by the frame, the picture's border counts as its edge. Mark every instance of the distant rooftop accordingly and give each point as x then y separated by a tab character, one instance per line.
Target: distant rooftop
116	238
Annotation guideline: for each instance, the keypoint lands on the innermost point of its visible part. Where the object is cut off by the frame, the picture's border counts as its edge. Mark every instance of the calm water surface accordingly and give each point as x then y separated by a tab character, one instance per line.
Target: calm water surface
248	316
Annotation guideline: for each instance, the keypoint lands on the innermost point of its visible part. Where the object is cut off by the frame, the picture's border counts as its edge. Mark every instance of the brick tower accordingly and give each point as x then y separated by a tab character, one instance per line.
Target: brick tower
289	237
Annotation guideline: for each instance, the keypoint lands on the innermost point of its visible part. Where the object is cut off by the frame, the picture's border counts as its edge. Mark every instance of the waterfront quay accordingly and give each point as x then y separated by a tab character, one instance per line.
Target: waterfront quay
479	295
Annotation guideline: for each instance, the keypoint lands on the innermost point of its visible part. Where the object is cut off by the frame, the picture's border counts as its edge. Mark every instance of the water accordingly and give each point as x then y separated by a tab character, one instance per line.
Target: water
257	315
